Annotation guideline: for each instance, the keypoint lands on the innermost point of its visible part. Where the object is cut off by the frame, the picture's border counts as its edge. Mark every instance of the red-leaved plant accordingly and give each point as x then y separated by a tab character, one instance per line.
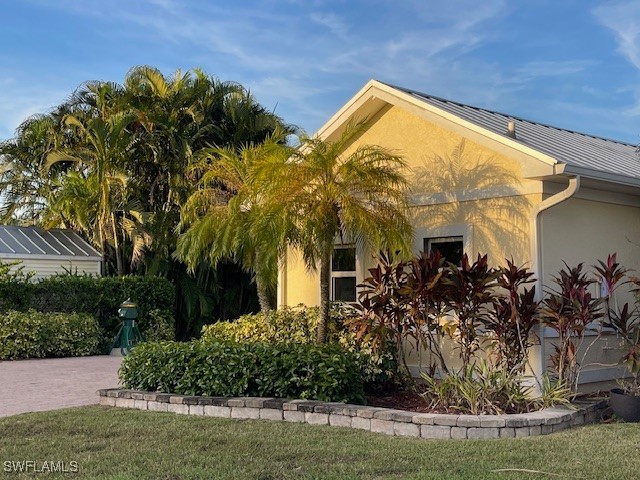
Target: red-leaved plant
515	314
624	320
469	296
569	310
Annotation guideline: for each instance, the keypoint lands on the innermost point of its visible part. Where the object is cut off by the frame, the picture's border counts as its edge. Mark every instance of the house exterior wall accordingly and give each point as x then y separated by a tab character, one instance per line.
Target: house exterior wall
580	230
47	268
584	231
492	209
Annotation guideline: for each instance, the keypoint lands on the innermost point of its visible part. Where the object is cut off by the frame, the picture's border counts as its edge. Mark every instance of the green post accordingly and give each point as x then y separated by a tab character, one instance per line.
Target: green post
129	334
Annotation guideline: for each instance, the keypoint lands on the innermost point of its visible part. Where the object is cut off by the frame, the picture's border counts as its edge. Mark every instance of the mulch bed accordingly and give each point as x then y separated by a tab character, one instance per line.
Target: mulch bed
399	400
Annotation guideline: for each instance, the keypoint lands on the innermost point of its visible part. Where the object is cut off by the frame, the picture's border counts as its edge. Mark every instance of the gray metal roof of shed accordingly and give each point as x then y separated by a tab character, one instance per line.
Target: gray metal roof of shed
566	146
32	241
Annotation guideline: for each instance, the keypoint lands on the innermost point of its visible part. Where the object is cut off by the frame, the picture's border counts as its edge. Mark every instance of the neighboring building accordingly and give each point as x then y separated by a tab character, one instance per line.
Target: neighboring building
48	252
487	182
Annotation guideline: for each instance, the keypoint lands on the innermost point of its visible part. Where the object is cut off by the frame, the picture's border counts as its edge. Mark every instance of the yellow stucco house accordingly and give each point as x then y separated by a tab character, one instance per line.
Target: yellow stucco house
487	182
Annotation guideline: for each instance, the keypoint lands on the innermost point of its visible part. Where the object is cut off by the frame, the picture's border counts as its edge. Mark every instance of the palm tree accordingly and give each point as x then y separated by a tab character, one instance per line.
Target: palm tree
325	193
220	214
100	160
23	186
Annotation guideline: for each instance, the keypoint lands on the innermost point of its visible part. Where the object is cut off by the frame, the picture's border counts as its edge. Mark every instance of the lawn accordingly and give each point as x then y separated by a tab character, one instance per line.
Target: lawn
130	444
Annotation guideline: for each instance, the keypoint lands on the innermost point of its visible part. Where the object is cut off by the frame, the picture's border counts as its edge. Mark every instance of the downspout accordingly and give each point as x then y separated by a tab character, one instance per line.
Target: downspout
536	247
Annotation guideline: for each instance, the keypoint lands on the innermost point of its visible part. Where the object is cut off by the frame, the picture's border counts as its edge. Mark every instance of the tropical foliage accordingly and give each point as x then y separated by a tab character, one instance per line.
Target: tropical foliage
225	206
299	325
490	317
324	193
115	162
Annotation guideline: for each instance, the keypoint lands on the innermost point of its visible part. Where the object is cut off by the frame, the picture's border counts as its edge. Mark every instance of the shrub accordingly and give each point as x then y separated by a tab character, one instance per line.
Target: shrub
37	335
298	325
102	296
15	289
320	372
284	325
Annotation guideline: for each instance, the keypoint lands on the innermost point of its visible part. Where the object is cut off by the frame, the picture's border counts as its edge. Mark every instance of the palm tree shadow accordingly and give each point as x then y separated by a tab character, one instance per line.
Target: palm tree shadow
444	189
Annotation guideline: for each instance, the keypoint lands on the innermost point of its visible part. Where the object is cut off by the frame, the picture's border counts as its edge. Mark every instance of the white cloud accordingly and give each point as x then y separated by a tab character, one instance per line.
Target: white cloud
623	19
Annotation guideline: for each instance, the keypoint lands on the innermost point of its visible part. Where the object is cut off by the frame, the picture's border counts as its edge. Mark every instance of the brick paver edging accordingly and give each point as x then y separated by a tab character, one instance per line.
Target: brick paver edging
373	419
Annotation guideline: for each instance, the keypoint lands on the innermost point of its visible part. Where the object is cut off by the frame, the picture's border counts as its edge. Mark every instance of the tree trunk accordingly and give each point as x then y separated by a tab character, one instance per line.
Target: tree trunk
262	283
263	295
325	285
116	241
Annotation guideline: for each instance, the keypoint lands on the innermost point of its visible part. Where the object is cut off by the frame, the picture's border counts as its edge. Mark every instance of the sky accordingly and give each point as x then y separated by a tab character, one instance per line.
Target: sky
570	63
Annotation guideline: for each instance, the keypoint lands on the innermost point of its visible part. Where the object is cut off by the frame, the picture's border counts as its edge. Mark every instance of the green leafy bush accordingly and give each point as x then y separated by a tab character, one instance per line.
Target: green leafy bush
37	335
320	372
15	288
283	325
298	325
102	296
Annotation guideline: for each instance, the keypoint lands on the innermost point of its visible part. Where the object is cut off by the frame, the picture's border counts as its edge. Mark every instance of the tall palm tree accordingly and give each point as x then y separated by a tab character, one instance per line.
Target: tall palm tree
100	160
327	194
220	214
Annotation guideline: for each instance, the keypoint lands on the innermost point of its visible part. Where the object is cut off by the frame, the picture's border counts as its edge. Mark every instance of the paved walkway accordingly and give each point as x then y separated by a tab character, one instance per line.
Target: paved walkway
53	383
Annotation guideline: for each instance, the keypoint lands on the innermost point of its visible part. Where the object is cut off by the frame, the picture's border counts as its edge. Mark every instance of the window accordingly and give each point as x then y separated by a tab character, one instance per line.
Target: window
451	248
343	274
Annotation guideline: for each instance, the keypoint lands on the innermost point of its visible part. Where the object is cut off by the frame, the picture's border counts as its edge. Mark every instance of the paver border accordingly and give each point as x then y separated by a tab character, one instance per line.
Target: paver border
374	419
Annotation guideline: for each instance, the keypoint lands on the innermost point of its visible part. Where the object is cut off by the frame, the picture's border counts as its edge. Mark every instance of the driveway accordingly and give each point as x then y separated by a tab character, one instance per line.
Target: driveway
53	383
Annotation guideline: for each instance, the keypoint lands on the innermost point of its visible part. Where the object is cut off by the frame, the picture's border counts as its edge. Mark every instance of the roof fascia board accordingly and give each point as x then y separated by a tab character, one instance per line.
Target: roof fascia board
338	121
602	176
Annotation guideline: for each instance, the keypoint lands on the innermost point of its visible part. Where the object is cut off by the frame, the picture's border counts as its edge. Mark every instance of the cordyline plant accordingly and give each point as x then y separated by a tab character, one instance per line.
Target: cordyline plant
425	291
515	314
568	311
469	294
382	307
624	320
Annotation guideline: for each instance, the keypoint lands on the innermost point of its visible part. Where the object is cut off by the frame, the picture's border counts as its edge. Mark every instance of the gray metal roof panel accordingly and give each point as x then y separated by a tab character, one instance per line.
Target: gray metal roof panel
566	146
27	241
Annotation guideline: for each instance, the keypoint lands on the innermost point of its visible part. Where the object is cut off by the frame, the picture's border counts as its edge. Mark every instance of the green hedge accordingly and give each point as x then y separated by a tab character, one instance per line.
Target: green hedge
320	372
38	335
298	325
98	296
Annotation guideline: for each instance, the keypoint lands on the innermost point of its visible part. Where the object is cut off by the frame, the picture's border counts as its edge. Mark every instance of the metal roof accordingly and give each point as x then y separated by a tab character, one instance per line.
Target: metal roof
16	242
566	146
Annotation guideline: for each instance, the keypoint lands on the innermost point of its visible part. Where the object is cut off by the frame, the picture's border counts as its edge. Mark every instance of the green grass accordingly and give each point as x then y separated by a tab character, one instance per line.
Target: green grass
129	444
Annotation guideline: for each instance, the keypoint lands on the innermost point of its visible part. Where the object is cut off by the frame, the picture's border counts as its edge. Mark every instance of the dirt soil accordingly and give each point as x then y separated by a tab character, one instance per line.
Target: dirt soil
399	400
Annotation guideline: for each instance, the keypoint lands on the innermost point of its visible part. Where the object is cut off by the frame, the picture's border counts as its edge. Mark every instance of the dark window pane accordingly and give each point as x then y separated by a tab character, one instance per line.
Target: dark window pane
450	248
343	260
344	289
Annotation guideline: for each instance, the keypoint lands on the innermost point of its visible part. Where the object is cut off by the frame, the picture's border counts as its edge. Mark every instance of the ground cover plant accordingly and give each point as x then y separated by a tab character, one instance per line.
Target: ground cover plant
127	444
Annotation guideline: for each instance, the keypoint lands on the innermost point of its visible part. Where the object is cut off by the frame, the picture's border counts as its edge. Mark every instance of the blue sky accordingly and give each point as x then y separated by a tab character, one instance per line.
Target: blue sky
570	63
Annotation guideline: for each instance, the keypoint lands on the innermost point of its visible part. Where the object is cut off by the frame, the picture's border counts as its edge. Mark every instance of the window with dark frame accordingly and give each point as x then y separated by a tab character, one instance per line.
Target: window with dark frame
451	248
343	274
